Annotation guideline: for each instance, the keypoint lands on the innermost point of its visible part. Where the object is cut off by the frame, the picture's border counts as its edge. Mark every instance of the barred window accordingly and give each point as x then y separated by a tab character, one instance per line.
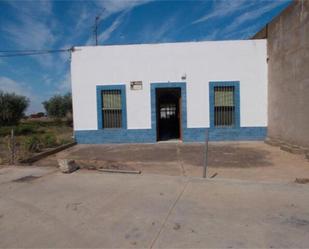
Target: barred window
167	111
112	109
224	106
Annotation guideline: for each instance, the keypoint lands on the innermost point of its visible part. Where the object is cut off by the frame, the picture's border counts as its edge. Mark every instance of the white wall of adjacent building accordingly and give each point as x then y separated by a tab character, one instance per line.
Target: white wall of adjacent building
201	62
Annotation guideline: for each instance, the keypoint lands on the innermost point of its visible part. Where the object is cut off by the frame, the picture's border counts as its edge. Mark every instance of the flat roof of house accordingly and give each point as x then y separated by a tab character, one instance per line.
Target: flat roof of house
167	43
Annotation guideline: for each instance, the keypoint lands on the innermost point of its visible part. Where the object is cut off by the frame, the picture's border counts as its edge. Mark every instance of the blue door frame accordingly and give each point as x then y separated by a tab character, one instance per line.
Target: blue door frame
183	94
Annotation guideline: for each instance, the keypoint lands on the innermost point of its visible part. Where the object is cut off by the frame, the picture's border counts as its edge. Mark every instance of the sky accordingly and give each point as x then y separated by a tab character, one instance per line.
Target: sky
35	25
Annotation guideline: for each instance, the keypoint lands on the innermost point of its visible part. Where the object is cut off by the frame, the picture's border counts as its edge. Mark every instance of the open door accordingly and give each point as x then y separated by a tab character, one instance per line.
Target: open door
168	113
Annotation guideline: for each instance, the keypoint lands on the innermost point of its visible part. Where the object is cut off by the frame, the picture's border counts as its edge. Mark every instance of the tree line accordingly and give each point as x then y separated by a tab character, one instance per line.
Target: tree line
13	107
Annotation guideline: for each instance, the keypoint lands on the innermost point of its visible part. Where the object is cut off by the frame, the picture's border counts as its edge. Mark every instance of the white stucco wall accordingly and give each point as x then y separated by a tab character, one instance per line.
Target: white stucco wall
202	62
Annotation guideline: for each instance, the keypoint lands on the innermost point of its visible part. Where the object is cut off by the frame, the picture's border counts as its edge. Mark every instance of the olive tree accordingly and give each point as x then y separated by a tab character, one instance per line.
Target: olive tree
12	108
58	106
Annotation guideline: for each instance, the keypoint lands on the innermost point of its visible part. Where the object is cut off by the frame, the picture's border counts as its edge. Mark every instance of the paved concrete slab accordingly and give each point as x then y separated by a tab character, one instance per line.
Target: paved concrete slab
224	214
91	209
11	173
236	160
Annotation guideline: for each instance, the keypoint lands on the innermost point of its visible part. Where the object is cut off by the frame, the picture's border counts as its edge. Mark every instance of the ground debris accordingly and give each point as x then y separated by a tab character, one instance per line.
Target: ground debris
297	222
73	206
26	178
176	226
214	175
302	180
105	164
120	171
67	165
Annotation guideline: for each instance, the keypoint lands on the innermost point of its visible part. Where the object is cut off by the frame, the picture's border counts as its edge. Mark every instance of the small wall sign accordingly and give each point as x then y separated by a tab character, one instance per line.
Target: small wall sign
136	85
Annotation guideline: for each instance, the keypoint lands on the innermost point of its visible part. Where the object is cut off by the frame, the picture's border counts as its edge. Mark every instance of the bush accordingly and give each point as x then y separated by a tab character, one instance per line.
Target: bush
24	129
12	108
5	131
47	123
64	141
21	129
32	144
49	140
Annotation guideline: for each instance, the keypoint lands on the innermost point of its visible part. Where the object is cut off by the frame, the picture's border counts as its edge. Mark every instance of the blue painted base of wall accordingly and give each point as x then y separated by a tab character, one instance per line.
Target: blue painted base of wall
189	135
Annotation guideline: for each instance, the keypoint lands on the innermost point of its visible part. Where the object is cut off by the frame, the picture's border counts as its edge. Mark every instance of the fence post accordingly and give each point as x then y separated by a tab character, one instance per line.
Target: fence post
205	153
12	147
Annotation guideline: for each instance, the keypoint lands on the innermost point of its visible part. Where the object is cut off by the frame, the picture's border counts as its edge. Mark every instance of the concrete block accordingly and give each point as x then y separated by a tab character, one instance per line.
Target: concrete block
273	142
44	154
67	165
292	149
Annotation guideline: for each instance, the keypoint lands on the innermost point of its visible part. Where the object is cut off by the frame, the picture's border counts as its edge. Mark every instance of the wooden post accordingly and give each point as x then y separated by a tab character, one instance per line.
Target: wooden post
12	147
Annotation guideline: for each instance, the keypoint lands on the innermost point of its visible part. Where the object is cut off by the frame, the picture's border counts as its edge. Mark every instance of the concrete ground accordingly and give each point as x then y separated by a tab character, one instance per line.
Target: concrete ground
41	208
236	160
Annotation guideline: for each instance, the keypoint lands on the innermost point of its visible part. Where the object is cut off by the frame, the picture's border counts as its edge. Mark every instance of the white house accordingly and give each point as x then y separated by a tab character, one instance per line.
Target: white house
150	92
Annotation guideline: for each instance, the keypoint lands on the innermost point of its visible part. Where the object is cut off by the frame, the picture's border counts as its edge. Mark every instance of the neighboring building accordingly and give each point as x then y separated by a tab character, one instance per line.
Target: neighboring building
151	92
288	74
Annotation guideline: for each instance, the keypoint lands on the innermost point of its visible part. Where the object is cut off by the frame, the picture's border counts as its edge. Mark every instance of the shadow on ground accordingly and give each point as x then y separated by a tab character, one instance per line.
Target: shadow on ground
237	160
239	157
219	155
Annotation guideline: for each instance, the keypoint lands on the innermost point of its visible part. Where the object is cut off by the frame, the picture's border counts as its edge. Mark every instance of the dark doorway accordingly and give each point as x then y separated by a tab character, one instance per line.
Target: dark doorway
168	113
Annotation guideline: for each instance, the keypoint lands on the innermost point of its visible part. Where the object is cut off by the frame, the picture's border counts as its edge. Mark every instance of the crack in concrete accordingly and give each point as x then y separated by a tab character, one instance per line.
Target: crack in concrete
183	171
168	214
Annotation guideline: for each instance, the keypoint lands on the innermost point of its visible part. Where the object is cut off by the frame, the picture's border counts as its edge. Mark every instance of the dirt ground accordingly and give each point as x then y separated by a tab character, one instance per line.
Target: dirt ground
237	160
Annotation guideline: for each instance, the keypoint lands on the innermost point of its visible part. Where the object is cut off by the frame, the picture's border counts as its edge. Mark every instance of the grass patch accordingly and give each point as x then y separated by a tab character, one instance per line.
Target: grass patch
33	136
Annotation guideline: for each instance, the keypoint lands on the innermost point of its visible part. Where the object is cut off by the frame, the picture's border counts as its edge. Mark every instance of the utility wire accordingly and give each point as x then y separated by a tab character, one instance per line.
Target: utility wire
18	51
15	53
35	50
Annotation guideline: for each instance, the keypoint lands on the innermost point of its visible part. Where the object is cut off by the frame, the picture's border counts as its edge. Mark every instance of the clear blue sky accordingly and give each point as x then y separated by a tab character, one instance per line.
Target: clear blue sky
62	24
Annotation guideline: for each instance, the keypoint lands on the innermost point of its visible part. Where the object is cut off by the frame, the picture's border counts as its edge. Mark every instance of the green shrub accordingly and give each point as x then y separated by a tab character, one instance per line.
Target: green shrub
24	129
21	129
65	141
49	140
32	144
58	122
12	108
5	131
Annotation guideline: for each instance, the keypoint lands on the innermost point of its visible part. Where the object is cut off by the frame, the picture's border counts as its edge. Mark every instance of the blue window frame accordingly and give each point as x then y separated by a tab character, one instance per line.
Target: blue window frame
230	87
100	115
